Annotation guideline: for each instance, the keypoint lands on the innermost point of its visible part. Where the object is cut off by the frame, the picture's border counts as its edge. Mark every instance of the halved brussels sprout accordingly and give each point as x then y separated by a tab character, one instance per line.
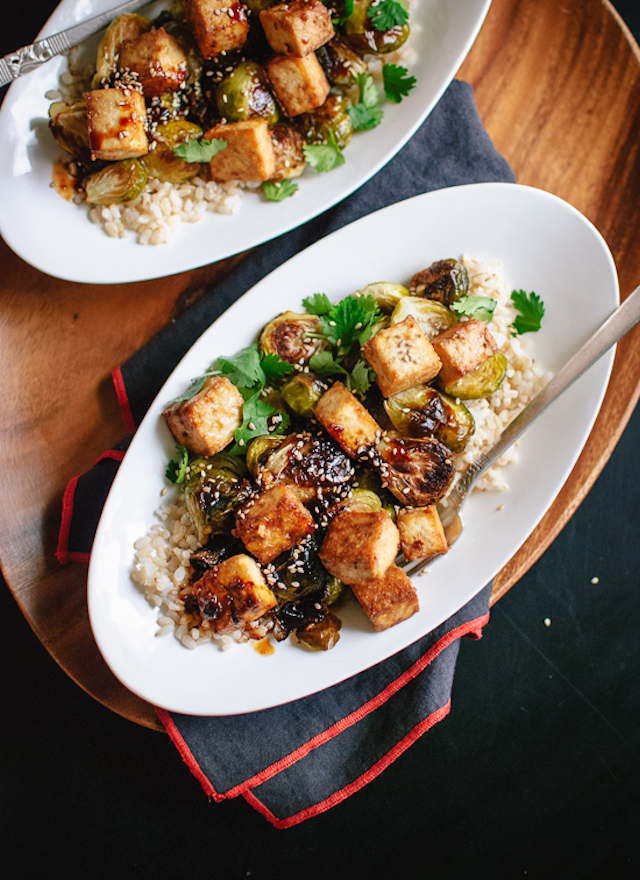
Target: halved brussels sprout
360	499
445	281
310	617
313	466
364	38
433	317
458	427
213	489
340	62
321	635
128	26
332	118
387	294
302	392
291	336
300	573
162	162
259	450
288	148
482	381
116	183
68	123
416	412
245	94
416	472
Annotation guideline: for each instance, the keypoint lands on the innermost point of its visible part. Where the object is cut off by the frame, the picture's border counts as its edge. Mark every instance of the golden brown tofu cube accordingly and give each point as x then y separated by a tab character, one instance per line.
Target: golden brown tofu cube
218	25
421	532
273	522
297	28
157	59
360	545
249	154
401	357
207	422
462	348
242	578
347	421
387	600
299	83
117	120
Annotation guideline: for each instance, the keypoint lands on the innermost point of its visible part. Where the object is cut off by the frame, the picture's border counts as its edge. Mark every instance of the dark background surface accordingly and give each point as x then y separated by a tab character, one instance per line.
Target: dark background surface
535	773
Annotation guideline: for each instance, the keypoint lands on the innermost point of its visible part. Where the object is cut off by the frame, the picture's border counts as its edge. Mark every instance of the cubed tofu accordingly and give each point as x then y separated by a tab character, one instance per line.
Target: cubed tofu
116	119
297	28
207	422
388	600
347	421
242	578
401	357
360	545
462	348
158	61
218	25
249	154
300	84
275	521
421	532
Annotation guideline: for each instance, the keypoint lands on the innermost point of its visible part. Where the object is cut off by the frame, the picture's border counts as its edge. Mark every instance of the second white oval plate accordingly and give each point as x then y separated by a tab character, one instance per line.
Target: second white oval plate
56	236
545	246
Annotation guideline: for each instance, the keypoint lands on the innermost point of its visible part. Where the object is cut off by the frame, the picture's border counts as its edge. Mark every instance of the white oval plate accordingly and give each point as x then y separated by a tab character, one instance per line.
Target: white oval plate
68	246
545	246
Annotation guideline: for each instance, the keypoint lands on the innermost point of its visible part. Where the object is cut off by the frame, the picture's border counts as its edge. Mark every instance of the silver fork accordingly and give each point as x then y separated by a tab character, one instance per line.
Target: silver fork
616	325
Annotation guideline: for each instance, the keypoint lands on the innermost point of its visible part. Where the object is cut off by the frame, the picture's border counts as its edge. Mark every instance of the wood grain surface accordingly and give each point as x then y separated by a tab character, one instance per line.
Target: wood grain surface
558	88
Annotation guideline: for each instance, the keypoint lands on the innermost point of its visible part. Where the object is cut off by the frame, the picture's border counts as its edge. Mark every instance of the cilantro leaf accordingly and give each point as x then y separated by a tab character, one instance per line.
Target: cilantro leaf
323	364
318	304
324	157
531	310
361	378
194	387
481	307
244	368
386	14
199	151
340	19
366	114
278	190
397	84
274	367
256	414
177	470
350	320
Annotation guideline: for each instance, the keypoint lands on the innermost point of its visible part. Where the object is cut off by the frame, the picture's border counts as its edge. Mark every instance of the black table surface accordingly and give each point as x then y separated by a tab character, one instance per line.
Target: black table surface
535	773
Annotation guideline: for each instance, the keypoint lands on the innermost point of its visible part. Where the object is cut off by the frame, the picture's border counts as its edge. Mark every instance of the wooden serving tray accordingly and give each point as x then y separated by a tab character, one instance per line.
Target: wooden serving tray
558	89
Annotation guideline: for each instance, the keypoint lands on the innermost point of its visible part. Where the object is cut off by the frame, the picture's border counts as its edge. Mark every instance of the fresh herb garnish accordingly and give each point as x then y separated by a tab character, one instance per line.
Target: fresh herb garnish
397	84
350	321
199	150
481	307
347	11
388	14
531	310
256	421
177	470
318	304
324	157
278	190
244	368
365	114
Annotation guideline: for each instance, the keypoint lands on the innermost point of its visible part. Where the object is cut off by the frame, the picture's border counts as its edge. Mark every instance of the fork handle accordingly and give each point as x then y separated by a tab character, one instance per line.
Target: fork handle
616	325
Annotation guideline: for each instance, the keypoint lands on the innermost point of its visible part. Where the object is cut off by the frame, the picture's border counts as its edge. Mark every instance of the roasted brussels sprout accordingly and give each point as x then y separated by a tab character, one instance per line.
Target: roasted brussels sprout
445	281
68	123
302	392
482	381
340	62
332	118
313	624
458	426
359	499
315	467
387	294
213	489
364	38
288	147
416	472
300	573
416	412
291	336
259	450
218	548
162	162
433	317
128	26
321	635
245	94
116	183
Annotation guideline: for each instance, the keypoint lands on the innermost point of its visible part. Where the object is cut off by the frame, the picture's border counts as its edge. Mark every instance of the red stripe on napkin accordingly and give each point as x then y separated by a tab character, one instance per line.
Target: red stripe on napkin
123	400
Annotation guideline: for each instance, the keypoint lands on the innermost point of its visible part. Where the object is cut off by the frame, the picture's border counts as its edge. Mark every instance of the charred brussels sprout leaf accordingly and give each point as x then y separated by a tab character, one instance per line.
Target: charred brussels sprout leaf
482	381
416	412
68	123
213	489
314	467
116	183
445	281
458	426
322	635
259	451
433	317
341	64
164	162
245	94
